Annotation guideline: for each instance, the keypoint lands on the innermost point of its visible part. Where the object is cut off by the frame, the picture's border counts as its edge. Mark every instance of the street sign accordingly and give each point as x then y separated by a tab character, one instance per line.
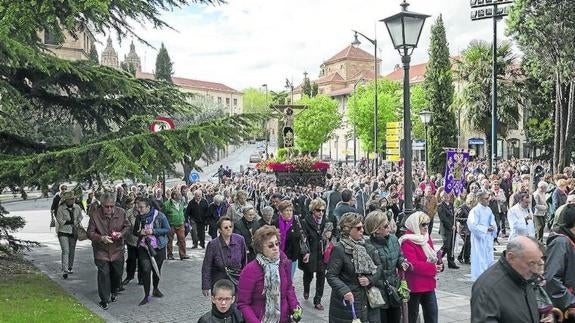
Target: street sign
393	158
389	138
392	151
194	176
393	131
394	124
162	123
392	144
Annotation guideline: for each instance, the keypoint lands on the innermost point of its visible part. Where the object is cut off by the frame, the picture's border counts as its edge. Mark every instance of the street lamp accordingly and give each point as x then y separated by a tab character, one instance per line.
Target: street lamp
425	117
266	130
362	81
405	30
356	42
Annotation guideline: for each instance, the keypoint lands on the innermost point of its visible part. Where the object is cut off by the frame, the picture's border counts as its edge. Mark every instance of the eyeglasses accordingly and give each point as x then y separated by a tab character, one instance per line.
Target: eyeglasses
271	245
108	206
223	299
319	210
359	227
425	224
385	226
227	227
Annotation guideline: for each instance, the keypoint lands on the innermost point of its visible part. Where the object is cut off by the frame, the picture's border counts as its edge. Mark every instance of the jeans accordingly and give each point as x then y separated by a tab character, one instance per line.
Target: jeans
319	284
179	231
109	277
293	268
68	246
145	267
428	302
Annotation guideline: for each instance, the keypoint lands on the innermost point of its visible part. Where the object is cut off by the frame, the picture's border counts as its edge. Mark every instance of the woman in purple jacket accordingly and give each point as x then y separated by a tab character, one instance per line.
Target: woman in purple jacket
266	293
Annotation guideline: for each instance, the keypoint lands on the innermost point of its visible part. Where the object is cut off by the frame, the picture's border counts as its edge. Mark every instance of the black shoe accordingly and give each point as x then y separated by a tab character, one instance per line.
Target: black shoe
126	281
170	257
103	305
121	288
460	260
184	257
145	301
467	262
195	246
65	276
157	293
113	298
452	265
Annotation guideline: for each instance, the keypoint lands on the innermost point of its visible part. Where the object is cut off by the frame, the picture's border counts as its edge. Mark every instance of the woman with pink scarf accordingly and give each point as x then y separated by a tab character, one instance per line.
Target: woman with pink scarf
417	247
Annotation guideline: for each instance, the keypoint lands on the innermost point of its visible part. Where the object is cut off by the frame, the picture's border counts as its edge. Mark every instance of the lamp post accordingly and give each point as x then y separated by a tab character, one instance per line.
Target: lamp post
405	30
425	117
362	81
356	42
266	131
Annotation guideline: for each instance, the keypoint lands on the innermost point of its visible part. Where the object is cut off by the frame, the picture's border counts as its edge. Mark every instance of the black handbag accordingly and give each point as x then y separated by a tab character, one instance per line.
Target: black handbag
393	299
303	245
232	273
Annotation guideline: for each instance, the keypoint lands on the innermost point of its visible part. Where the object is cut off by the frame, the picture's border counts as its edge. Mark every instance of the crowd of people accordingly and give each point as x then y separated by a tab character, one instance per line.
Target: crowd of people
351	233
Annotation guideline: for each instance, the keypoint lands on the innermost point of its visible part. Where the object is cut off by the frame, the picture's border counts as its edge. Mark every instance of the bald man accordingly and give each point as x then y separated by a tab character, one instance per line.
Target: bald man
504	292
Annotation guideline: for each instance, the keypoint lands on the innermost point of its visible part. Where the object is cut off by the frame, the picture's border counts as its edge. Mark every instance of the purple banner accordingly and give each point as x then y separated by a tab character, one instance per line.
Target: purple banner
455	170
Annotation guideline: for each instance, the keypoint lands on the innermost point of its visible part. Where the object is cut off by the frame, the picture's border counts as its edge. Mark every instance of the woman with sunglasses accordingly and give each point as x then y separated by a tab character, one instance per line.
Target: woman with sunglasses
266	293
379	229
313	226
352	269
227	250
417	248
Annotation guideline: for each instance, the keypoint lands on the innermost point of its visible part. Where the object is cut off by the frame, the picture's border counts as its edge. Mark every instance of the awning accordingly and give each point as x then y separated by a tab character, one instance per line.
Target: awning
476	141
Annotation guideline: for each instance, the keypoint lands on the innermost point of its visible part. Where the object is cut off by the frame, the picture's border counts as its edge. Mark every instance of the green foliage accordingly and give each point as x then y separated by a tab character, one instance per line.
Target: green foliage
279	97
94	54
128	67
9	225
164	66
538	105
313	125
256	101
474	69
439	90
309	89
418	104
360	110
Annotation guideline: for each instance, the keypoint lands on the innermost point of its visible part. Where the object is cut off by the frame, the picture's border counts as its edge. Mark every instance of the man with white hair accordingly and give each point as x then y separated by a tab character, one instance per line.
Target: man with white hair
197	212
483	228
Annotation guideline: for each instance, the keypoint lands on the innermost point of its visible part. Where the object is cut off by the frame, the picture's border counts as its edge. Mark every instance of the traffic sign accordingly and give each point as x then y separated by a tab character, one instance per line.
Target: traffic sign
162	123
394	124
393	158
393	131
389	138
392	144
392	151
194	176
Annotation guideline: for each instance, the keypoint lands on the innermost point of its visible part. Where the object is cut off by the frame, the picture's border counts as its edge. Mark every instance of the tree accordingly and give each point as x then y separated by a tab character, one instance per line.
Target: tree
360	110
128	67
94	54
279	97
255	101
538	115
473	68
544	31
313	125
164	66
439	90
418	104
308	88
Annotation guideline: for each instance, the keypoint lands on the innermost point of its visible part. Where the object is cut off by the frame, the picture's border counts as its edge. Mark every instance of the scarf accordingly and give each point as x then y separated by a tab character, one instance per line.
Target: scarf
284	227
412	224
362	262
271	290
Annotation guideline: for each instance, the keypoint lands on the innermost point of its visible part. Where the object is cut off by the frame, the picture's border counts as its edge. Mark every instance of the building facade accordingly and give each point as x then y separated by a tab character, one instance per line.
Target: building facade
73	48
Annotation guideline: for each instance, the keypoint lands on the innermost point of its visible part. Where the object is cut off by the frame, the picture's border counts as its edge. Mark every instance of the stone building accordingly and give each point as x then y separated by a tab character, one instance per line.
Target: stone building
133	59
72	48
109	56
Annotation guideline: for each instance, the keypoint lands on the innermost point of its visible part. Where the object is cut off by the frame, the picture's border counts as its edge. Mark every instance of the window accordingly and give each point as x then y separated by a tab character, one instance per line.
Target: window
219	100
50	38
227	101
235	102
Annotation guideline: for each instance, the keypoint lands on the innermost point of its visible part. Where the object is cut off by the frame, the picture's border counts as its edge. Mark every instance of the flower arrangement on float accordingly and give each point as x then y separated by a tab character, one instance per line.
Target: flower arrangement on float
298	164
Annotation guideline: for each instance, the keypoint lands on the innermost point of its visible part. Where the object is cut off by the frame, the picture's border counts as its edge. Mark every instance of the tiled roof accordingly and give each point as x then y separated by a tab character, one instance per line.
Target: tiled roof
367	75
345	90
333	77
351	53
193	84
416	74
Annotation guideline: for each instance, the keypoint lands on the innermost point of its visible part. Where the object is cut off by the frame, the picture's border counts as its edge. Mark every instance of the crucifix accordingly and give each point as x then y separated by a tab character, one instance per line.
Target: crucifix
287	111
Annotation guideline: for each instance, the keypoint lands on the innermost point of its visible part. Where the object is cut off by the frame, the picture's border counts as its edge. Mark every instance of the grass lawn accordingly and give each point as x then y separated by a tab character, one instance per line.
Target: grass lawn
27	295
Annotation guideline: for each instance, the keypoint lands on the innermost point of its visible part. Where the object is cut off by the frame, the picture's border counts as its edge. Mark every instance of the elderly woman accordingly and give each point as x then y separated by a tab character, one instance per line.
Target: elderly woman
235	211
246	226
267	216
216	209
540	208
68	217
291	233
313	226
352	269
228	250
266	293
378	227
417	248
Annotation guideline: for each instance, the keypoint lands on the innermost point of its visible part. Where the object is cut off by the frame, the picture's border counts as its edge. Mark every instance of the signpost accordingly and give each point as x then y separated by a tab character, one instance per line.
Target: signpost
194	176
161	124
392	138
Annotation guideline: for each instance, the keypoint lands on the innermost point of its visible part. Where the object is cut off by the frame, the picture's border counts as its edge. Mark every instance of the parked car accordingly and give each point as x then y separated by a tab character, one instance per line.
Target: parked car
255	158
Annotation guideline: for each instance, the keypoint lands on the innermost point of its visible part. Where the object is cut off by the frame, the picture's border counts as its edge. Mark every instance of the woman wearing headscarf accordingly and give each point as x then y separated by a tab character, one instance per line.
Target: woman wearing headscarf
378	227
291	233
417	248
266	293
352	269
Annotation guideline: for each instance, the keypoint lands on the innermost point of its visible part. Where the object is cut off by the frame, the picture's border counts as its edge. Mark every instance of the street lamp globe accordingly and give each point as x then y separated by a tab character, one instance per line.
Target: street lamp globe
425	116
405	28
355	41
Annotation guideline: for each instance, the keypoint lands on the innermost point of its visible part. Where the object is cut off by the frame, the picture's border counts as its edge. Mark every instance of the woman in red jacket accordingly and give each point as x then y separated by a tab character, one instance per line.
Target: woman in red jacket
417	248
265	292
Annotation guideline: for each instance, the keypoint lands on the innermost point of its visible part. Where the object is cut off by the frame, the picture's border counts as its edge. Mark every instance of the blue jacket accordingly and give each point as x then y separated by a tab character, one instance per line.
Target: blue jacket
161	227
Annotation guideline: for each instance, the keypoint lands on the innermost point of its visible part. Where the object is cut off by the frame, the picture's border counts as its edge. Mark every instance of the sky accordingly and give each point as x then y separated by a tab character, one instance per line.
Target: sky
248	43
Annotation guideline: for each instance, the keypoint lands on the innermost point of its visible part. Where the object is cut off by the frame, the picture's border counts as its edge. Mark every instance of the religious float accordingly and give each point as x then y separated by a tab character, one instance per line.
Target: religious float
302	171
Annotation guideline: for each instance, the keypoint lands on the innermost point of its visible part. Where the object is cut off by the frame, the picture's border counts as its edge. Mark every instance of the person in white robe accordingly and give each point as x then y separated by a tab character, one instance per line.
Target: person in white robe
520	218
483	228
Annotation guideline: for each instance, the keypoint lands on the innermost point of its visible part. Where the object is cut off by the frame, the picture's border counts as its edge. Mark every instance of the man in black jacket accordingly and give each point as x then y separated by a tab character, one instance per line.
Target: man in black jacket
196	214
506	291
344	206
447	219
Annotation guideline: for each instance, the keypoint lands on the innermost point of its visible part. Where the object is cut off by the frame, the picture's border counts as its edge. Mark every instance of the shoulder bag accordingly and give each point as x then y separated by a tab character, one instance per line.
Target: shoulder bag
232	273
303	246
374	297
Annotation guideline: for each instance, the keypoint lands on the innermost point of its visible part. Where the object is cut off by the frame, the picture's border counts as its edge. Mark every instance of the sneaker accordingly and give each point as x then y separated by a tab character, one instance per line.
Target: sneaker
103	305
157	293
145	301
70	271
